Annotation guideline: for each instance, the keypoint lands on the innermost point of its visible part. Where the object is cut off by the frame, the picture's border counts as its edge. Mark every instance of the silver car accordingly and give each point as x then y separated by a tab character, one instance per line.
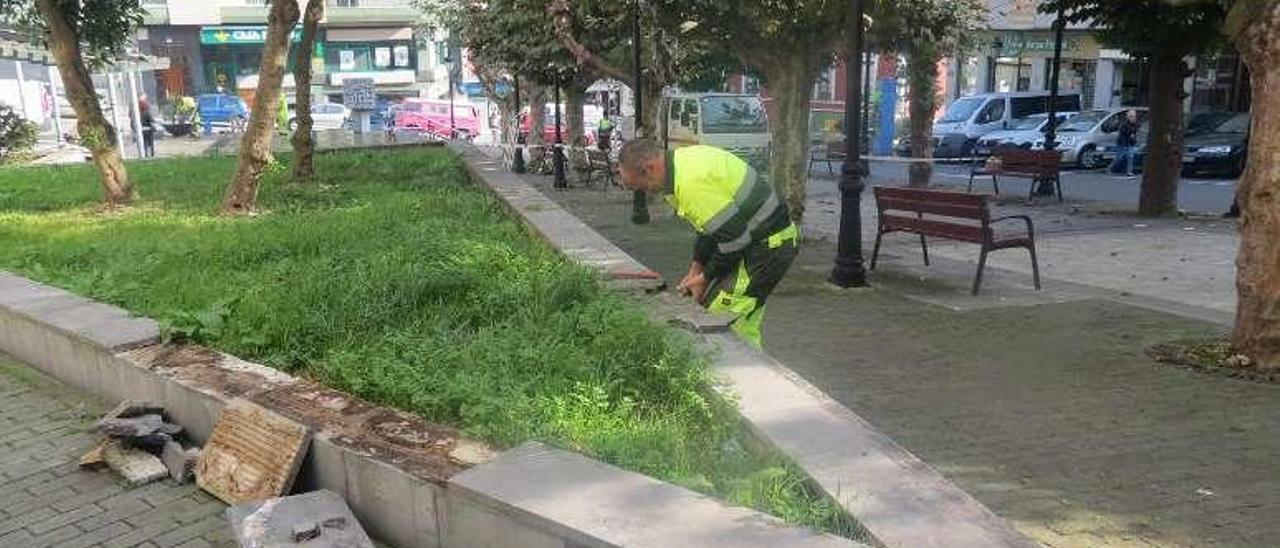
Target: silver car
1083	136
1022	133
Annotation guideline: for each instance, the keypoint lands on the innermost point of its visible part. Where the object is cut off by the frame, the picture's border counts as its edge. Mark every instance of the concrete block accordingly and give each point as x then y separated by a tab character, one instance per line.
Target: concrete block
180	461
136	467
319	519
473	525
577	499
391	501
253	454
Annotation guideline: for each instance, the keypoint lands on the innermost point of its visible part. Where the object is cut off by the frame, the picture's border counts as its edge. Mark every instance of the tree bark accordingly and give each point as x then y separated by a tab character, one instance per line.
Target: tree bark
1163	165
96	133
304	145
790	89
922	74
574	101
255	147
1255	29
537	115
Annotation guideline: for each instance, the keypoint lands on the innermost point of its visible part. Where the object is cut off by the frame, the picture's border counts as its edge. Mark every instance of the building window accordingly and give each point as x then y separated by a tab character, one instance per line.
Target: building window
822	87
346	3
368	56
750	85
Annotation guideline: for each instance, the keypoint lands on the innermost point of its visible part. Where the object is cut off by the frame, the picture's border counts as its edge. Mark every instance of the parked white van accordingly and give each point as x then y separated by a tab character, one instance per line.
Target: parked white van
735	122
956	133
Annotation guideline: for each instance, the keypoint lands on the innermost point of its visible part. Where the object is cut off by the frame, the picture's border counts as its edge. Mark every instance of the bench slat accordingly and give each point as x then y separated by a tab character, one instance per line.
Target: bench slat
960	211
929	227
929	195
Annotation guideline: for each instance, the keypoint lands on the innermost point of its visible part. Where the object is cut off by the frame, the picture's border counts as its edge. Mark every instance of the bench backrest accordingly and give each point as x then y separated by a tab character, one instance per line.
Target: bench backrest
925	208
1029	161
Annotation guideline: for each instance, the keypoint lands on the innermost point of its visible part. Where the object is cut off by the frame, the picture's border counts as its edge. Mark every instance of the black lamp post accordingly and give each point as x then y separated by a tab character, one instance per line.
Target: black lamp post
517	158
639	200
848	271
557	157
1051	130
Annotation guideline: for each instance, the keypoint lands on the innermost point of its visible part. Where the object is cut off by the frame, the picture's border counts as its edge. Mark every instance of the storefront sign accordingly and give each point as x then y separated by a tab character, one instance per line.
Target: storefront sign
240	35
359	93
1040	44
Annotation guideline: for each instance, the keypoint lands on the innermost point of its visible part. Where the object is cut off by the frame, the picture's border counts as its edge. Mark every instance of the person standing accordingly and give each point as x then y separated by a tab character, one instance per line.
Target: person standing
746	241
1126	141
148	127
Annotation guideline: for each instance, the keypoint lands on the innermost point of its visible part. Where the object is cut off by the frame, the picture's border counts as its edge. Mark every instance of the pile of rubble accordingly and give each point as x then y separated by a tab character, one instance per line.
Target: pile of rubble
142	446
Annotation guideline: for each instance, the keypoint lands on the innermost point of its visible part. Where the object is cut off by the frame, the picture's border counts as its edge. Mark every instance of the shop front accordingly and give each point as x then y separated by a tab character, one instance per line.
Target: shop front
387	55
232	55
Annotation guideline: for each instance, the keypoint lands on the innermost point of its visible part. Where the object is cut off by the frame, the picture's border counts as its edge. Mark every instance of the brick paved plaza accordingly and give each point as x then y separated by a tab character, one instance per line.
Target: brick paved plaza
45	500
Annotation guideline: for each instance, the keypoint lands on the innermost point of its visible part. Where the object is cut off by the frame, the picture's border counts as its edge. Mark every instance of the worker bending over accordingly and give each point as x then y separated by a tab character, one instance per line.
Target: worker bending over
746	241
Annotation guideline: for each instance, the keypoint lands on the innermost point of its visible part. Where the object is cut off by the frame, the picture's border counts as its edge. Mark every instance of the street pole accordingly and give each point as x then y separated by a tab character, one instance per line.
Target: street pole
452	123
866	105
639	200
558	156
517	159
57	111
1051	131
848	271
136	110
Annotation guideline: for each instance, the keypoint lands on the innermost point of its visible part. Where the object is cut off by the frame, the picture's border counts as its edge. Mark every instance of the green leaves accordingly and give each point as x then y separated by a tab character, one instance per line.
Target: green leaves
1143	27
105	27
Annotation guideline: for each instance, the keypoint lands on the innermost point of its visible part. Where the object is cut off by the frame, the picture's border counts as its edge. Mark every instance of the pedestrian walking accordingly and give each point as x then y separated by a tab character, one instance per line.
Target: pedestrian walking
1126	141
746	241
148	127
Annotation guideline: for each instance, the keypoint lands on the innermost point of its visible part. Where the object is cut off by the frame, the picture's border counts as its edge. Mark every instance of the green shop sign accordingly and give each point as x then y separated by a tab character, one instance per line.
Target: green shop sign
240	35
1040	44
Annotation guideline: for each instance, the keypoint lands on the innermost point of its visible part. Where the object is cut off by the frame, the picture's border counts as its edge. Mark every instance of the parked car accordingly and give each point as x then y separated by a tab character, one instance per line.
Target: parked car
1215	130
324	116
1222	149
969	118
1083	135
1022	133
222	109
432	116
591	116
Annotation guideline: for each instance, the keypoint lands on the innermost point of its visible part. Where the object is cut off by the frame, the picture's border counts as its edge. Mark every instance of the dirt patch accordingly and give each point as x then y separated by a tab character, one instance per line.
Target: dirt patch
1210	356
169	356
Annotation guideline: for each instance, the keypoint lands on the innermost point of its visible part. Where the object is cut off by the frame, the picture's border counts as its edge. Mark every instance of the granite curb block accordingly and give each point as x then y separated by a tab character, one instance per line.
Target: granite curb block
659	515
898	498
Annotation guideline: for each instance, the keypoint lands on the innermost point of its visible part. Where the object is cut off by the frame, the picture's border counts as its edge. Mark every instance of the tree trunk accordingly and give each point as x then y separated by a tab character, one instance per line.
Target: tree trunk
791	88
574	100
304	145
922	74
650	124
1160	173
96	133
1256	33
255	147
537	115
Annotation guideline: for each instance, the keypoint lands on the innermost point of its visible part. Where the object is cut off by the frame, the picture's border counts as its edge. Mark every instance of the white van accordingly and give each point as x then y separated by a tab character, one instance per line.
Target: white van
735	122
956	133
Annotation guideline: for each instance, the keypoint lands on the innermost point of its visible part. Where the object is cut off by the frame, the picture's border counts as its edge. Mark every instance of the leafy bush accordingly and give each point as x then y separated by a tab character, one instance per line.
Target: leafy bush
394	279
17	135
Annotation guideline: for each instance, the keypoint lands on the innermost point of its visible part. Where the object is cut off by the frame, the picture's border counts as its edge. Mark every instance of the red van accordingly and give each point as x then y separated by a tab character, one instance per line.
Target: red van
432	117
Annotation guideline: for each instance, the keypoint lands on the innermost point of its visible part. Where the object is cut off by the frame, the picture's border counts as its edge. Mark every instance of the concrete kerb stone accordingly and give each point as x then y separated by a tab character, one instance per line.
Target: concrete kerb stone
609	507
898	498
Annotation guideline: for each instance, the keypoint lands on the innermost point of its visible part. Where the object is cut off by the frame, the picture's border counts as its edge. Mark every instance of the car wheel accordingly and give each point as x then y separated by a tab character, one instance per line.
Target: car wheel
1237	170
1088	158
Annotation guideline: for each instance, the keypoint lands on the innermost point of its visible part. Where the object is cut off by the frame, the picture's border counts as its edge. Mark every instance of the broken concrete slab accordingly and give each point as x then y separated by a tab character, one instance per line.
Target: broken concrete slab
128	409
135	466
253	454
133	427
180	462
319	519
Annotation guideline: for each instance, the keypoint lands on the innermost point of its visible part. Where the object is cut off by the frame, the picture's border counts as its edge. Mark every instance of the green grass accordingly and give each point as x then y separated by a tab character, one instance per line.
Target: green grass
396	280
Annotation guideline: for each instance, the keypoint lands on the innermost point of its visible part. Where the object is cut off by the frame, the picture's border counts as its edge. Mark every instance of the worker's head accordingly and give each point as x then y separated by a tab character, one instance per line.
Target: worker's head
643	165
1132	115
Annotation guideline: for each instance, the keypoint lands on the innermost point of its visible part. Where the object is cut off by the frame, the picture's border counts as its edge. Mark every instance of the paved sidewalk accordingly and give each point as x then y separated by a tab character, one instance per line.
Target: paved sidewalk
1040	404
45	500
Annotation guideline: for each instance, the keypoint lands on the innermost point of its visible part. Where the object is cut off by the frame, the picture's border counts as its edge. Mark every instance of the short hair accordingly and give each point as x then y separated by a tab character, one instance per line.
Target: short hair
634	153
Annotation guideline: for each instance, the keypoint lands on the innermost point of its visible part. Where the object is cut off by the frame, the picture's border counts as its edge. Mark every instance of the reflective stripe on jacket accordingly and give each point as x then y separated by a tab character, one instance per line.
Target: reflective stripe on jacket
724	199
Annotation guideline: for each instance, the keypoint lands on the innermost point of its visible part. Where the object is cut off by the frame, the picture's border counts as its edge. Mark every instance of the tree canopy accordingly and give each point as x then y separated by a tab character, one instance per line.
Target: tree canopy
1145	27
105	27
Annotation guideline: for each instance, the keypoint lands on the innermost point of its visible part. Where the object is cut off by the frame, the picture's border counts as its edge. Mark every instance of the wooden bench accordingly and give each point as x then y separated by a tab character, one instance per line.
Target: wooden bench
1037	165
954	216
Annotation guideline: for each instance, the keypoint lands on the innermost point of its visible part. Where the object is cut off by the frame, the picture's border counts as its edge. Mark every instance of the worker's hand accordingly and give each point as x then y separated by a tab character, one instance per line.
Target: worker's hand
694	285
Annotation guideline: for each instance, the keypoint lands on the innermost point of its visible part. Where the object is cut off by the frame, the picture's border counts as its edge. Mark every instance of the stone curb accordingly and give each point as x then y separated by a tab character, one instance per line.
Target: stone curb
898	498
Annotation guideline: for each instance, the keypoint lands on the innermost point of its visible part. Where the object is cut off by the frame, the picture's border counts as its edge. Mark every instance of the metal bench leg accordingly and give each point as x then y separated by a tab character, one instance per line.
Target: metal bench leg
995	185
1035	265
876	253
924	247
982	264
